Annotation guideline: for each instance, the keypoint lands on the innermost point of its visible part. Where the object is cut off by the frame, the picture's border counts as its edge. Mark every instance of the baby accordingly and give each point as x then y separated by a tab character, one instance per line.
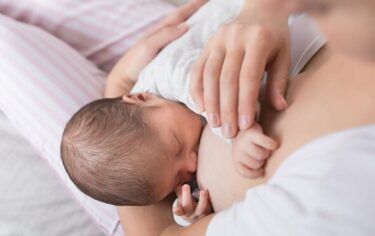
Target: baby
132	150
136	149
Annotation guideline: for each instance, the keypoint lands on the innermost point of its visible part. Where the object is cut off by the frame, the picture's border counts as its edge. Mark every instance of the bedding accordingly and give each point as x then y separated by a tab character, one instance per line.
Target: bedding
33	200
45	206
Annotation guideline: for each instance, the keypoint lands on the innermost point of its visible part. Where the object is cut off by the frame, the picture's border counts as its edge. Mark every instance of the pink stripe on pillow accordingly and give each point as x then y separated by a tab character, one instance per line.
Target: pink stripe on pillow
101	30
43	81
33	98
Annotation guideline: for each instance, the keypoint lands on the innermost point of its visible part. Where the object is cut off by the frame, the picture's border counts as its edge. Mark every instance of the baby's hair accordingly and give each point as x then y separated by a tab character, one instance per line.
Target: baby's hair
102	152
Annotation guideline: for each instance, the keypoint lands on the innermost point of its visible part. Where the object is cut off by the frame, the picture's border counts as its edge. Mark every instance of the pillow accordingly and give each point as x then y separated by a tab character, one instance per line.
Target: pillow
100	30
43	80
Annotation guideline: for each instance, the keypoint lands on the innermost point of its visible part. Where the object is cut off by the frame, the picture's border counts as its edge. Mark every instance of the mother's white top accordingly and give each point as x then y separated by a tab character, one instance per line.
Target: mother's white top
324	188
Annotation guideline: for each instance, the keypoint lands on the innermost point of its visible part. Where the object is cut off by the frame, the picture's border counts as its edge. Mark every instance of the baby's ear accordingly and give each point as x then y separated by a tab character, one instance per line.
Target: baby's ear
129	99
140	97
134	98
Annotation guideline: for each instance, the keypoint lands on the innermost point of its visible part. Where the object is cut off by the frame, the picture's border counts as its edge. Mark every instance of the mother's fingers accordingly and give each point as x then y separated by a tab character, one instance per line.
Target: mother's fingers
211	81
165	36
229	91
196	82
185	11
178	16
252	71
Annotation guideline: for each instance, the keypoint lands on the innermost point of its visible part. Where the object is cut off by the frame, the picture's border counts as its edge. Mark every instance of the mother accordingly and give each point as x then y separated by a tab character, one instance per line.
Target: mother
310	187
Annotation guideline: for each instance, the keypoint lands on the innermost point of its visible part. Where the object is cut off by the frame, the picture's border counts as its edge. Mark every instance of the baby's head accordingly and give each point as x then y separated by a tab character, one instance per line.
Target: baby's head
132	150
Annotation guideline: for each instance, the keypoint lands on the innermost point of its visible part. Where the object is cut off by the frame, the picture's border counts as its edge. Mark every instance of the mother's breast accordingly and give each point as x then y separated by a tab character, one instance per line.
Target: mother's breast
293	127
216	172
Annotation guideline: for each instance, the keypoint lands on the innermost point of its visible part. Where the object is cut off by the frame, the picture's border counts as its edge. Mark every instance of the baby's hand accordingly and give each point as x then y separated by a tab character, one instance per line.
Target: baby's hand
188	208
251	148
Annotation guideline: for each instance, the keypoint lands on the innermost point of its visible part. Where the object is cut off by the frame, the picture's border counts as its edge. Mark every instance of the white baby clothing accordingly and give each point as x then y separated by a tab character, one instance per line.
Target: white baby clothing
168	75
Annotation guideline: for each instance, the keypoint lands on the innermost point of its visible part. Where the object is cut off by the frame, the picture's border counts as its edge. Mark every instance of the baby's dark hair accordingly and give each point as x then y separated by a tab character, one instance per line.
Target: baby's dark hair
103	151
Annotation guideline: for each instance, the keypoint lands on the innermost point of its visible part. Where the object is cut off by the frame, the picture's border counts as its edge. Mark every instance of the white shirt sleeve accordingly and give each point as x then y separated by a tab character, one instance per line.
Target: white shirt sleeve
322	189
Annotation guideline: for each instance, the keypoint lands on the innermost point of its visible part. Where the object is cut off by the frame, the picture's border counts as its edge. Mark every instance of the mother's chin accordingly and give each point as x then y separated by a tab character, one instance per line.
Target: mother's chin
217	174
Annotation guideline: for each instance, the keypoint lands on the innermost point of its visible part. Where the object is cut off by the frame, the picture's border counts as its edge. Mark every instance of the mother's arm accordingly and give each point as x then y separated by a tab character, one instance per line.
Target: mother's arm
157	220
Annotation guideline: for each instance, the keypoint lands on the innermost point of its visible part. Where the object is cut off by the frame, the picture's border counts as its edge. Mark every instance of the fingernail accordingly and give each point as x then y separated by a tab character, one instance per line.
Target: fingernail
227	130
244	122
186	187
213	119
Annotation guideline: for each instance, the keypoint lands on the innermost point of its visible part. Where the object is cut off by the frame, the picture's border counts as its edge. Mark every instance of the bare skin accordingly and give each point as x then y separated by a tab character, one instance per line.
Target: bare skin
334	93
328	97
337	92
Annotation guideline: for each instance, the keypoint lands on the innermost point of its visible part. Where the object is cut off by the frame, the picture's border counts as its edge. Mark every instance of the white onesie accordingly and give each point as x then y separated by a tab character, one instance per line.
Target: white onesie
168	75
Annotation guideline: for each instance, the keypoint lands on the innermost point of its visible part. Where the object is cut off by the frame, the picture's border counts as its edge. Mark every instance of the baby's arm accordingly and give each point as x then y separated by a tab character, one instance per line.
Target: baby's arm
251	148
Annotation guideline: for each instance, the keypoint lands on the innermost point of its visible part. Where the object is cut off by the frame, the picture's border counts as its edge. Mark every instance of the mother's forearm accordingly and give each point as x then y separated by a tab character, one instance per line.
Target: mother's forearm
149	220
157	219
198	228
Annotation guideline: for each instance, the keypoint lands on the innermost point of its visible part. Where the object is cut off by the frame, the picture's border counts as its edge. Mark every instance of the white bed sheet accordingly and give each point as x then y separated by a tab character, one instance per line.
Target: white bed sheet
32	199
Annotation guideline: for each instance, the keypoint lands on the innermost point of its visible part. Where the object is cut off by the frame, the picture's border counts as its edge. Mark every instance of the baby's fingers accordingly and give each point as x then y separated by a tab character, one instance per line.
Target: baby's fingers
187	200
254	156
203	206
265	141
248	172
255	135
178	211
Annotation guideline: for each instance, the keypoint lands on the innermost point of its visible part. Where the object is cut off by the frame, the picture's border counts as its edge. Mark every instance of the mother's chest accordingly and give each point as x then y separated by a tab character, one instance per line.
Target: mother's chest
321	101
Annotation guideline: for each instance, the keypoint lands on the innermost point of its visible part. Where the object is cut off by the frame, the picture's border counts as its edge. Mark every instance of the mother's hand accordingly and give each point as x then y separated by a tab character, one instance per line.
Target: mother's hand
226	77
125	73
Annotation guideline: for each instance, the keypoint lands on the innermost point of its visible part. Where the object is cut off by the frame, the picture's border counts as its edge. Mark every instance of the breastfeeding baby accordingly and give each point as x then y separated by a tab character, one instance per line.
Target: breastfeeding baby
139	147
